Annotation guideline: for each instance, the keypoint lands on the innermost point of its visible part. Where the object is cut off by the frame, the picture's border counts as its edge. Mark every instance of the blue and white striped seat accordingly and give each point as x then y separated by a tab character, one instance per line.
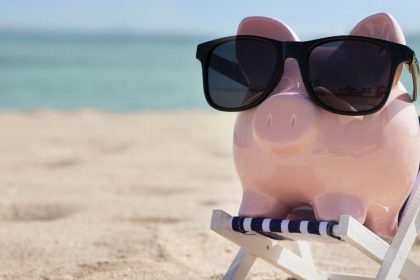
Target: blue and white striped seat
273	228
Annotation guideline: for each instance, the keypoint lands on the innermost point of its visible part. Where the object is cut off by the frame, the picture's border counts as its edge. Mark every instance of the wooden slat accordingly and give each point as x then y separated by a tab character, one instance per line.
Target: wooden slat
240	265
396	259
353	232
342	276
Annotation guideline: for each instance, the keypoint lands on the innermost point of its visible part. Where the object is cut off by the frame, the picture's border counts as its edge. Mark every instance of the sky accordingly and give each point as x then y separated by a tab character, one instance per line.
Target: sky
306	18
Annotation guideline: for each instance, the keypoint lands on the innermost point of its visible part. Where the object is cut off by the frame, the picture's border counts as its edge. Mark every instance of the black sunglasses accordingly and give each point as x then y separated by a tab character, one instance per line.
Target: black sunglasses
348	75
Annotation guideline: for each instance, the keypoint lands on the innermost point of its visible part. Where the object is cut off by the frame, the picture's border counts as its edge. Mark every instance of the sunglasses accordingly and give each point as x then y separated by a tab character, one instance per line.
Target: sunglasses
347	75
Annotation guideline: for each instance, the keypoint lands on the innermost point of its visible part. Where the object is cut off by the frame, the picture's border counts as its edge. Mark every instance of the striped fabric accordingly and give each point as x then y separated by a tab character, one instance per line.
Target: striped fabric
269	227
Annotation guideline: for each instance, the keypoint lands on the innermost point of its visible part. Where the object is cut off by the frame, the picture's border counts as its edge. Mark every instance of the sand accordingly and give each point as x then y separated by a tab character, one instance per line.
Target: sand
94	195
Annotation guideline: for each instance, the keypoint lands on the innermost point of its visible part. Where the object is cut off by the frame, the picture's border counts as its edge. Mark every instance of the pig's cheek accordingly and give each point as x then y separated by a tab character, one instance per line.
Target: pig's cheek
399	121
402	130
242	135
251	164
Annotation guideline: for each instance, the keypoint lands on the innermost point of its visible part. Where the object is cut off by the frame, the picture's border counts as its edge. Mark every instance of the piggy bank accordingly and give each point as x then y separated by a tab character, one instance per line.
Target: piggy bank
291	153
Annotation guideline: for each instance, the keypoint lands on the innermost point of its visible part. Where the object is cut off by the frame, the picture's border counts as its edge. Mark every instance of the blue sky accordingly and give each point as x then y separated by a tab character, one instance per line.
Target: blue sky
216	17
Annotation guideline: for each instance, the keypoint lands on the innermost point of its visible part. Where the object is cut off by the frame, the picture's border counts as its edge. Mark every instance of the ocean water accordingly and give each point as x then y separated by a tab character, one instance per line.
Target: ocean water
106	71
117	72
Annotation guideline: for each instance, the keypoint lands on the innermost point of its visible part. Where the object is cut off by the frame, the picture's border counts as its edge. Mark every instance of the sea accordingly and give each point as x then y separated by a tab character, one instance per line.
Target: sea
106	71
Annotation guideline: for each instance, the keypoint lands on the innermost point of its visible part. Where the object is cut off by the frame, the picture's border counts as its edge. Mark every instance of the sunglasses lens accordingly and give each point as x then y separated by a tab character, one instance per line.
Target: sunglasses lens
239	72
350	75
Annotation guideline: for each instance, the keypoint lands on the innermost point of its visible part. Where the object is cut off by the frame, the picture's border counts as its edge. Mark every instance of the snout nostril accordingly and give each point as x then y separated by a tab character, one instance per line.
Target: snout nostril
292	120
269	120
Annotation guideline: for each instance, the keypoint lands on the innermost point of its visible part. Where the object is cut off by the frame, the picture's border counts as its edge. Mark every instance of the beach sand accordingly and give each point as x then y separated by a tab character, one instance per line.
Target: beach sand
94	195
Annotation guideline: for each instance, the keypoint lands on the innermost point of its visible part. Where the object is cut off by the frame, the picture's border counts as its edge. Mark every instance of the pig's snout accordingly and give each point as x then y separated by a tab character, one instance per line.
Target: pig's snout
285	123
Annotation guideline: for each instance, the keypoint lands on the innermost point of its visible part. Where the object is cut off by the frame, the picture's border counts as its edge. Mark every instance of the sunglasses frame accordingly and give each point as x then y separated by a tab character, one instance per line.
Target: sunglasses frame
301	51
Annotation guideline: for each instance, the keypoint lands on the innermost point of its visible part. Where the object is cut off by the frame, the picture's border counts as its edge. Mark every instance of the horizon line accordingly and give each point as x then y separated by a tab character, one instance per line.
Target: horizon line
139	32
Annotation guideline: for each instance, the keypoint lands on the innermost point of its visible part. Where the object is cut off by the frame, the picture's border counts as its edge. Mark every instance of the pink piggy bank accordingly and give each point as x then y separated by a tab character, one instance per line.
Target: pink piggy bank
289	152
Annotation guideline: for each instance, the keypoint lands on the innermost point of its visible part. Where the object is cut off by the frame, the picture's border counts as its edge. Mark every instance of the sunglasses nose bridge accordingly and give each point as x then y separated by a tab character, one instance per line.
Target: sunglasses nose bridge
291	78
291	50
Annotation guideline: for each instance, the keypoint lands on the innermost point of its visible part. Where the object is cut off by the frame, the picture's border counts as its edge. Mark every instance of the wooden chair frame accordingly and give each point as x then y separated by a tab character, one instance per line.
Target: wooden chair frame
298	262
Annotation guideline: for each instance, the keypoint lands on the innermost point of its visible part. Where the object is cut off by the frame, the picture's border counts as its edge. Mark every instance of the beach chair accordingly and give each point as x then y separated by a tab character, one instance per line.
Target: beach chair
262	238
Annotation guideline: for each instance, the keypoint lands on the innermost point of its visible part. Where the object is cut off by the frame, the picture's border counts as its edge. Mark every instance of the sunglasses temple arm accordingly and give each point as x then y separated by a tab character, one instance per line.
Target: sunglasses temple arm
228	68
414	70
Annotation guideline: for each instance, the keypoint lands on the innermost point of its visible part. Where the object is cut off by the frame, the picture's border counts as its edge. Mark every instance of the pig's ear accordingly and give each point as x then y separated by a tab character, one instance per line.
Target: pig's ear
381	26
266	27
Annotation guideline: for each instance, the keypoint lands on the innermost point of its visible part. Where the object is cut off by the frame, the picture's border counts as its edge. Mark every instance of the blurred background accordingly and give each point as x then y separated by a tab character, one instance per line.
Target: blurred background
131	55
